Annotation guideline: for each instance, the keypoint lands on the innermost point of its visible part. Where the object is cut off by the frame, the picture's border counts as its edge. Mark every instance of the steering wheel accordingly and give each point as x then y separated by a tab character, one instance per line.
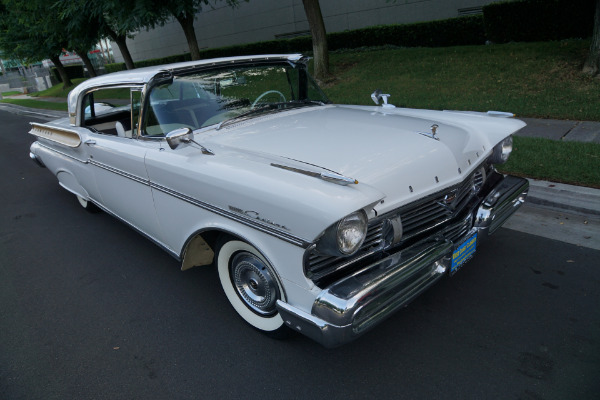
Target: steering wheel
266	93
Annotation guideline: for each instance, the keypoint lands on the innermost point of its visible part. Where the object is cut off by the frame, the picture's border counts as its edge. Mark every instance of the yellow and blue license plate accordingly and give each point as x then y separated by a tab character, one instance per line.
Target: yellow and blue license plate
463	253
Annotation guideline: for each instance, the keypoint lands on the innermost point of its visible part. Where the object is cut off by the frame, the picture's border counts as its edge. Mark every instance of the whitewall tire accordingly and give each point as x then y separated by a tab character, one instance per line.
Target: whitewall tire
250	284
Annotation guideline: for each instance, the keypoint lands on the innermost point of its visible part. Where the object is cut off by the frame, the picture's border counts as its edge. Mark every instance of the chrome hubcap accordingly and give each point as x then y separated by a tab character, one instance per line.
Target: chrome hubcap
254	283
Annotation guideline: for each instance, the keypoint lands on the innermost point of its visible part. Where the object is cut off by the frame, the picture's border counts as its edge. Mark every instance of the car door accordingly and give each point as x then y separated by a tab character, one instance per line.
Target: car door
117	157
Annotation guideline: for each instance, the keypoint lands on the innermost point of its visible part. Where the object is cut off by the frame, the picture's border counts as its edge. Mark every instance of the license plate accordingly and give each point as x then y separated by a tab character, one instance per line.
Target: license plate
463	253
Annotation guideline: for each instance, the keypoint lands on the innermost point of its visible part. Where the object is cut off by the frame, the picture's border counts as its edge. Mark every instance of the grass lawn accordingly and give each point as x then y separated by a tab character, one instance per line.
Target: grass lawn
11	93
541	80
567	162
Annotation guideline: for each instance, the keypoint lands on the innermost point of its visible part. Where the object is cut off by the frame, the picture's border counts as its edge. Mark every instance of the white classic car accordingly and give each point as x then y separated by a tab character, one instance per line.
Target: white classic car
321	218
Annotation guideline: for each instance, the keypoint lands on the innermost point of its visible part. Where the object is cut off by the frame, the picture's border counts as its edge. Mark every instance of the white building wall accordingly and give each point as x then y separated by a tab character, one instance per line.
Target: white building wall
259	20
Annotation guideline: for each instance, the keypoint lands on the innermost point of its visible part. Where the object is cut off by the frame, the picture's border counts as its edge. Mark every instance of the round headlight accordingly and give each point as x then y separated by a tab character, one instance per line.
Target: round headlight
502	151
351	232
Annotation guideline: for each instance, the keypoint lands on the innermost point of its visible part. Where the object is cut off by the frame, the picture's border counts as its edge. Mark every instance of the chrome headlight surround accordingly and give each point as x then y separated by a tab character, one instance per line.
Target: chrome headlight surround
502	151
345	237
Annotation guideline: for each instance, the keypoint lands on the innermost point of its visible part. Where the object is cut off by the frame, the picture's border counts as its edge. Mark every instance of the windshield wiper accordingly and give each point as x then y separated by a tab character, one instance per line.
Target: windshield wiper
281	106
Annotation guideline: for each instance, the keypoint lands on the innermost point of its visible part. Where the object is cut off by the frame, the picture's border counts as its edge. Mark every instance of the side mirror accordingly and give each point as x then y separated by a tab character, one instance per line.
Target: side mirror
179	136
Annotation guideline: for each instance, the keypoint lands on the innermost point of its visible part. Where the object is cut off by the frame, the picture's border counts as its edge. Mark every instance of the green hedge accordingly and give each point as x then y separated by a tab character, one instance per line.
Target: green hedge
538	20
449	32
73	72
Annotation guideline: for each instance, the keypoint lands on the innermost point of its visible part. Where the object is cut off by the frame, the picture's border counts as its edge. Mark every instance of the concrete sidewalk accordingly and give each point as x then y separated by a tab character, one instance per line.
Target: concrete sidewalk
554	129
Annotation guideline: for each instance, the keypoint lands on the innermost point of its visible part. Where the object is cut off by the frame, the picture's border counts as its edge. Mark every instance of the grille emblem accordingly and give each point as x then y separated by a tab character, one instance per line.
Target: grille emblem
448	201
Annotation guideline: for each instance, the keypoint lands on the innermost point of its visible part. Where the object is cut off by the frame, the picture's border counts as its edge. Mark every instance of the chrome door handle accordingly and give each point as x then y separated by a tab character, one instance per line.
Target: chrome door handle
90	142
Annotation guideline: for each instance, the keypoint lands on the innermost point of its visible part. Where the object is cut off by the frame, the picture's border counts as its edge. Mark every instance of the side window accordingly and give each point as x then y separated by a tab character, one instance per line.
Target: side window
109	111
178	104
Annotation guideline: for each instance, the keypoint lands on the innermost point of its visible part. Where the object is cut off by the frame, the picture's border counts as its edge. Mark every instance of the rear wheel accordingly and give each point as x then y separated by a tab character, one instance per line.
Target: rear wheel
251	286
87	205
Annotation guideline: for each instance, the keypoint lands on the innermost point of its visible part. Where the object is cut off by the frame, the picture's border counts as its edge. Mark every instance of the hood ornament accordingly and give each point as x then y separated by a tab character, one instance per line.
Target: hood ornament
377	95
432	134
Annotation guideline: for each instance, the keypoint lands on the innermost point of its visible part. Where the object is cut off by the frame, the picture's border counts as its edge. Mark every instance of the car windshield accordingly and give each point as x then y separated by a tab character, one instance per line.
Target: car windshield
217	96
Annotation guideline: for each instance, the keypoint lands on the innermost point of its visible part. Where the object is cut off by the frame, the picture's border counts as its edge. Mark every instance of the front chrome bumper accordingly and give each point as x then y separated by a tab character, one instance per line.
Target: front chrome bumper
351	306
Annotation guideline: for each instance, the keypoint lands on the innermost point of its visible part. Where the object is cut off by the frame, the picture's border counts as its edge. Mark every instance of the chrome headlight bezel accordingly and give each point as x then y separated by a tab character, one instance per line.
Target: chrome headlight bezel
345	237
502	151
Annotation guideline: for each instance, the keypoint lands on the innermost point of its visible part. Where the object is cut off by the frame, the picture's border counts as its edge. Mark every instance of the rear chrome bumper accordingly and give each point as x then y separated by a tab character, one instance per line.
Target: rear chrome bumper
36	159
351	306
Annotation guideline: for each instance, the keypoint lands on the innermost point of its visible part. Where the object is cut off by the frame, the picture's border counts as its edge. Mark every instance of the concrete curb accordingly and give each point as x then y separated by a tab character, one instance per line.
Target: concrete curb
560	196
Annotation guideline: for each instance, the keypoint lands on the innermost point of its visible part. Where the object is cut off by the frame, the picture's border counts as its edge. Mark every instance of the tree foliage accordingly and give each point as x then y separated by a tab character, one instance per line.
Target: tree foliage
98	19
31	31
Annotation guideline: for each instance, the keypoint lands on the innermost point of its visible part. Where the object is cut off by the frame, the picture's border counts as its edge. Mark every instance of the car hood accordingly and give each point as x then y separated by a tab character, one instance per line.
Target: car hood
391	150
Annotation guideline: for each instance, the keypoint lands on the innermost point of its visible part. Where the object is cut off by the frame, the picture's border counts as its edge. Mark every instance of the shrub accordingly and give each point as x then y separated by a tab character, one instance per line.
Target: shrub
115	67
538	20
73	72
448	32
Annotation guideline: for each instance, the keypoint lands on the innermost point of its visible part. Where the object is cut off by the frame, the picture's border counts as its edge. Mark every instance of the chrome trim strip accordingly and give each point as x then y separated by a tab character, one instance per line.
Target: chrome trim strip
295	240
60	152
120	172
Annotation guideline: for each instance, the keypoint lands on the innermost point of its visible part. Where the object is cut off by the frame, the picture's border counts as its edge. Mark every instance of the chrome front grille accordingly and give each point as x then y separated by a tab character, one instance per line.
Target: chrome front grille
430	214
432	211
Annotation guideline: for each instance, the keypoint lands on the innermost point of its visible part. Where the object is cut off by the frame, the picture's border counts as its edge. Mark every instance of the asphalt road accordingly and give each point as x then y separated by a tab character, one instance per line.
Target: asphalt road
92	310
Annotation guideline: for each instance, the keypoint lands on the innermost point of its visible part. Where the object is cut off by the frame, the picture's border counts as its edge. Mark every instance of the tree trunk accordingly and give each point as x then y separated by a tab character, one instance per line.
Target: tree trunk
187	23
87	62
61	71
592	64
319	39
120	40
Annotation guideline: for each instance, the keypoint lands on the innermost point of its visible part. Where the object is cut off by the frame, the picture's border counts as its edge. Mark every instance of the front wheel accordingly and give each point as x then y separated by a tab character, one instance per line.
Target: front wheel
251	286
